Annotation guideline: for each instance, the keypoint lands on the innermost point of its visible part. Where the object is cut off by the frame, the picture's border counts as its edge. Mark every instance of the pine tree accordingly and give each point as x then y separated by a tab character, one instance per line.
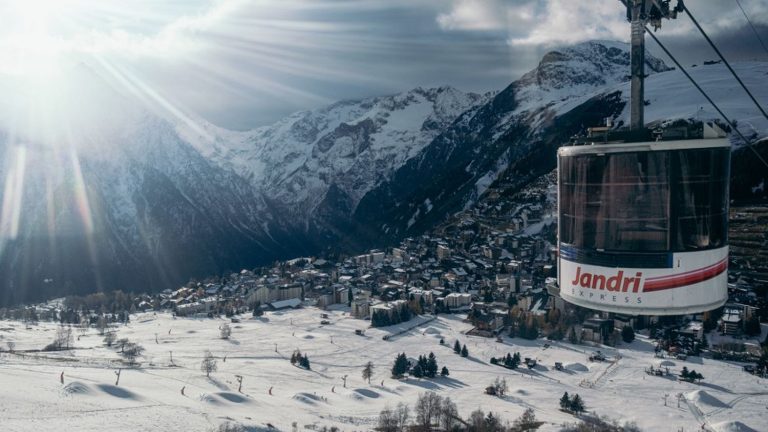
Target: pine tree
492	423
516	360
417	371
752	326
304	361
572	338
533	330
444	372
422	363
512	299
368	371
464	352
693	375
488	297
508	361
457	347
565	402
522	329
431	369
684	374
401	366
577	405
627	334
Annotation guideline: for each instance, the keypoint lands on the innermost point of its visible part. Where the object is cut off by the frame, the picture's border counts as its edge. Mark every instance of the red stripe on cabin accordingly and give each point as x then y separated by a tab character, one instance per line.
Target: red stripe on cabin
687	278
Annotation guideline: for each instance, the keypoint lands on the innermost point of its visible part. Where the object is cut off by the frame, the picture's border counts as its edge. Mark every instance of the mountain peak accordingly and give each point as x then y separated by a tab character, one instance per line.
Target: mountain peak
592	63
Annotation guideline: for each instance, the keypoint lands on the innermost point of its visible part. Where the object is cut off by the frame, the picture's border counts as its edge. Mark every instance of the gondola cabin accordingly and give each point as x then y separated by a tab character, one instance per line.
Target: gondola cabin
643	226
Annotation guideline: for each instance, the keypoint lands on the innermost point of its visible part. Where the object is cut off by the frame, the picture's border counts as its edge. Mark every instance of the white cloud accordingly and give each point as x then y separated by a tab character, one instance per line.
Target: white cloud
566	21
43	32
486	15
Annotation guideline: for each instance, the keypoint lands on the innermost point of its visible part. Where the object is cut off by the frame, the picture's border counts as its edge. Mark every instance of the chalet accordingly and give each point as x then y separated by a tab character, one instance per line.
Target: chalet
597	330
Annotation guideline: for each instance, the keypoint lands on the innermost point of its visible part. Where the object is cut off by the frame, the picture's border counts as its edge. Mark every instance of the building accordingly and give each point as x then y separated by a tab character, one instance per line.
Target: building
457	300
289	291
597	330
361	308
394	312
443	251
732	321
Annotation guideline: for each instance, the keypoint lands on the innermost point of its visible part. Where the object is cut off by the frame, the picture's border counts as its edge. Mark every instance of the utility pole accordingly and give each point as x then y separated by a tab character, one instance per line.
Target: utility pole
640	12
637	67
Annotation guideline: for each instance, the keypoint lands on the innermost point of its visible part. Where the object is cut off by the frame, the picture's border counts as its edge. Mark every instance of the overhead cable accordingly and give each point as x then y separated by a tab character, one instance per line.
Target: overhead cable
728	65
690	78
753	27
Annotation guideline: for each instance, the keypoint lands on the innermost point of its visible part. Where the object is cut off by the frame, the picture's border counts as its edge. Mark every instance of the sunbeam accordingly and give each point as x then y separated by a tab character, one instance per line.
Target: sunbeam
10	218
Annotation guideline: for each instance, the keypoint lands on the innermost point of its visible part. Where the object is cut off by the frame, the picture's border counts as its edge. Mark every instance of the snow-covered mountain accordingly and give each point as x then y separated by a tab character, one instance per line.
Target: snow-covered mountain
146	201
344	149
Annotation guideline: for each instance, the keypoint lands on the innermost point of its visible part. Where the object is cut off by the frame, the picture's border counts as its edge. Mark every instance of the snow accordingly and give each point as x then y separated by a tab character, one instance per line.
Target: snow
149	397
732	426
354	145
672	96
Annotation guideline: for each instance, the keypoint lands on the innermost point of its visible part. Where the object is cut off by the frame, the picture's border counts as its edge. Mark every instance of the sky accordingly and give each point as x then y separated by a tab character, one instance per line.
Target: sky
241	64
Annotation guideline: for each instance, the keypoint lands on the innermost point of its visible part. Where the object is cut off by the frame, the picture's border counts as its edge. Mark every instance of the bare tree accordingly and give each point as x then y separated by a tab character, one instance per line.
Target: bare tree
101	324
368	372
500	386
65	337
208	364
11	345
449	414
229	427
403	414
62	340
526	422
427	410
477	420
131	351
84	324
109	338
225	331
387	420
120	343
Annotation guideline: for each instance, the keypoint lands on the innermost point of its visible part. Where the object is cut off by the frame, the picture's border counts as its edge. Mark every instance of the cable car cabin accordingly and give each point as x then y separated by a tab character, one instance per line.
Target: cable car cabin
643	226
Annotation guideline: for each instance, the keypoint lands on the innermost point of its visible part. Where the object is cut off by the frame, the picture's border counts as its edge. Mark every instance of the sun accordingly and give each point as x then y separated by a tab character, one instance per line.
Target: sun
31	40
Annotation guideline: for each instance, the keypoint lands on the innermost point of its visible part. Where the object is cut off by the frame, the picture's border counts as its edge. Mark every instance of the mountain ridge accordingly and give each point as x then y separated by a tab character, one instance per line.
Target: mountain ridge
171	199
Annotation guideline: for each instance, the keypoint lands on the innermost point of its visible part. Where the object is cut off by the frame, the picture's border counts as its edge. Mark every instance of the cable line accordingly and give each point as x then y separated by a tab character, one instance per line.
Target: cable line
690	78
723	59
752	26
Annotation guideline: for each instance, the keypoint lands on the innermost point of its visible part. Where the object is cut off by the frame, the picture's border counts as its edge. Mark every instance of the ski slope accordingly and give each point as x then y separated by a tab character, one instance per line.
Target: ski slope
149	398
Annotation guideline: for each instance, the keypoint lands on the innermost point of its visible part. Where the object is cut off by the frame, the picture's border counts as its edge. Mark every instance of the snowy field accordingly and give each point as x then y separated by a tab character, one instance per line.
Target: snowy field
149	398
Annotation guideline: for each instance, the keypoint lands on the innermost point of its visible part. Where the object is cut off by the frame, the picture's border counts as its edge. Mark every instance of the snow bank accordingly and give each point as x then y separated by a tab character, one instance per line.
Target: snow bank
307	398
367	393
702	399
576	367
76	388
233	397
732	426
117	392
207	398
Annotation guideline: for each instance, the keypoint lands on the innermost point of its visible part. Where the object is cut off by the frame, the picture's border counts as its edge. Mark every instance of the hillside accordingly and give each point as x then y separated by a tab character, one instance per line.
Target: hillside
150	397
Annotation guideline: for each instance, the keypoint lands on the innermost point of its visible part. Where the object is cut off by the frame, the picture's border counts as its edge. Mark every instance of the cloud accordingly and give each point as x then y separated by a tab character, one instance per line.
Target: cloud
548	23
559	22
486	15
